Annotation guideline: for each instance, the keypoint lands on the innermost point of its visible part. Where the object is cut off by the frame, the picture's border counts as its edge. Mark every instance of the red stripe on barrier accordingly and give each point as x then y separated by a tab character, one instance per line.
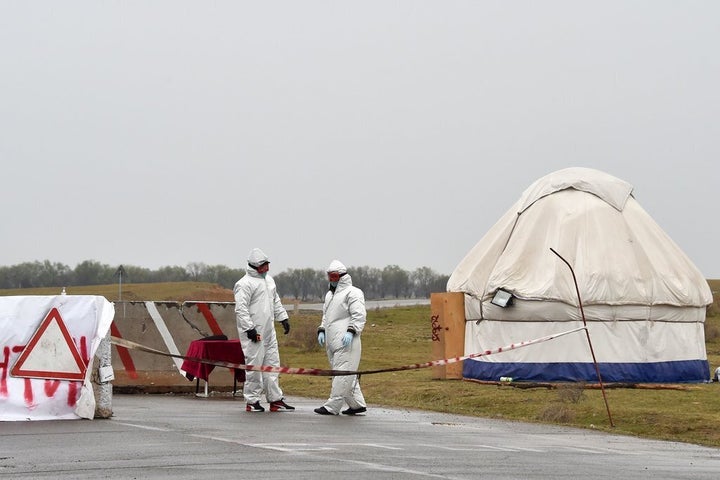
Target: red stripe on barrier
124	353
212	323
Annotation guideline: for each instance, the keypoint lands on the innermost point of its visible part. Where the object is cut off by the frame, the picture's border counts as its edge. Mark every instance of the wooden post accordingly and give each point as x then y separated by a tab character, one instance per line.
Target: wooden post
447	312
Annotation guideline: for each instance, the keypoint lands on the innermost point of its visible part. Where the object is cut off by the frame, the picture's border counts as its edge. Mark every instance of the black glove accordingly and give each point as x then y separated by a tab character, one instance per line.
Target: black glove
252	334
286	326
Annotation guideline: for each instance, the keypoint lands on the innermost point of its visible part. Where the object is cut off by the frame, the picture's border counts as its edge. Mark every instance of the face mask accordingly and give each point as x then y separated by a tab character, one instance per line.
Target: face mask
333	284
263	269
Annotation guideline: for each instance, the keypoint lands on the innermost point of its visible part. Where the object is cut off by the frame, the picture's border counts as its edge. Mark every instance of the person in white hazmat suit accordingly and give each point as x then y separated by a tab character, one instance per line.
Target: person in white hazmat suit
342	324
257	306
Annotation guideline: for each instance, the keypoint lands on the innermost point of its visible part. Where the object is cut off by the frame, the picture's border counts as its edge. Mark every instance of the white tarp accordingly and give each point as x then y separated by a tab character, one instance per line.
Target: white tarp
86	320
630	274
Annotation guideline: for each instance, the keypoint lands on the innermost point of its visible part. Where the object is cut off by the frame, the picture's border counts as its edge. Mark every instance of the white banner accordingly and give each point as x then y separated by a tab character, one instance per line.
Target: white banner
46	348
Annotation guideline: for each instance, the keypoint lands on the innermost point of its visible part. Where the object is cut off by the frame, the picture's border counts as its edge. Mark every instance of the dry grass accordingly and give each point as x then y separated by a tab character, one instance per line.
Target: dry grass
132	292
557	413
571	392
303	333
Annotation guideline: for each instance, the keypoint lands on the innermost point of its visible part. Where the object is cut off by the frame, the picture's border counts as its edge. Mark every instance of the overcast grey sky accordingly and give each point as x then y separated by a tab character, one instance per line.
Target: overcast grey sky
161	133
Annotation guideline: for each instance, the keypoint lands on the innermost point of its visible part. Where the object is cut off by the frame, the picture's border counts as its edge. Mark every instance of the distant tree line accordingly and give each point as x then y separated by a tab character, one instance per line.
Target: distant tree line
305	284
390	282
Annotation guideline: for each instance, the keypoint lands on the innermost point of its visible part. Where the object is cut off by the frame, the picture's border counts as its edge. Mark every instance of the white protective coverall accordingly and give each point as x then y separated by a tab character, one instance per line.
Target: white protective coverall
343	311
257	304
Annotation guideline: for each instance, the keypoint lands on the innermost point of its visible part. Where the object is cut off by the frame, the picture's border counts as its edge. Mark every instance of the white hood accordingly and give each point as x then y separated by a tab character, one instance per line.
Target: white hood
257	257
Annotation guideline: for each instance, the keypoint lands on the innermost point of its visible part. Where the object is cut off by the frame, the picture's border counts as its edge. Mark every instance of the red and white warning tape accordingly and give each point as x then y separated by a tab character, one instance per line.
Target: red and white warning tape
332	373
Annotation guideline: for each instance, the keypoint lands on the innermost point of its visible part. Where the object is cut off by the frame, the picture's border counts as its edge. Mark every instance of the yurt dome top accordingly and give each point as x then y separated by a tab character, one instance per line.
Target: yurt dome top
604	186
620	254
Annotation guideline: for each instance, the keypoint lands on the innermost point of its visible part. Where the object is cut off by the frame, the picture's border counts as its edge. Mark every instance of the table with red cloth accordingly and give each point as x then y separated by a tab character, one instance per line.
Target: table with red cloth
217	350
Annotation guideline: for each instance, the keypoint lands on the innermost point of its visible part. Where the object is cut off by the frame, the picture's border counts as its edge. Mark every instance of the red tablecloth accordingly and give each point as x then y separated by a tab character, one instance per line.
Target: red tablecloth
221	350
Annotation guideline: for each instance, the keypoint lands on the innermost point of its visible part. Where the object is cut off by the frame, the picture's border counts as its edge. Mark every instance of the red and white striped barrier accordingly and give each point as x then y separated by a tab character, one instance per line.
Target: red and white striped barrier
331	373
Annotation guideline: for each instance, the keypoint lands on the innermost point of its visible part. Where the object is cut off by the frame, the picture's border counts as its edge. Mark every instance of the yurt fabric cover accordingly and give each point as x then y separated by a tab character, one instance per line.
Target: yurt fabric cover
643	298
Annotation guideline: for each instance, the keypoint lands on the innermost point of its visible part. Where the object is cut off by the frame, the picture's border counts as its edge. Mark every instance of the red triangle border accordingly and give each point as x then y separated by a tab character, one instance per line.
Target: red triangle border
17	369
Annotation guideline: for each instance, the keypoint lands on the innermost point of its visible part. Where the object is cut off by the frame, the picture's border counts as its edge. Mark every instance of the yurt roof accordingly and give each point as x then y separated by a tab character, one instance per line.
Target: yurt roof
620	255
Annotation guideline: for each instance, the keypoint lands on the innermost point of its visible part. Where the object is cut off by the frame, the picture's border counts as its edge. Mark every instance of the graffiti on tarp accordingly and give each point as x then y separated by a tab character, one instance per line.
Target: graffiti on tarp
50	387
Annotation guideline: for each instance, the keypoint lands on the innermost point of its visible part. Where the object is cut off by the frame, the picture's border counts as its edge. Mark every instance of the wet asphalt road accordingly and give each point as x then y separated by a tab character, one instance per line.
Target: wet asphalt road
186	437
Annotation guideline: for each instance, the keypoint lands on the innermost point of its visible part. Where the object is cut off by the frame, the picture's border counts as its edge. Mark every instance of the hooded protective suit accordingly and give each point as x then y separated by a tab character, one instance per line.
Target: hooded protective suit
257	305
343	311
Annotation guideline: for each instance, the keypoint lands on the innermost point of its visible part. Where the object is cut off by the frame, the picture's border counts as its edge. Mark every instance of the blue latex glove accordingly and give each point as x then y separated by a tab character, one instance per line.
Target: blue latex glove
347	339
321	338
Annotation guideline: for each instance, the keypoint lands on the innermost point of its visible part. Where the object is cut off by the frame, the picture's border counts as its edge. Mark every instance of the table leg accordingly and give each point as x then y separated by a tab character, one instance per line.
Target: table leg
197	386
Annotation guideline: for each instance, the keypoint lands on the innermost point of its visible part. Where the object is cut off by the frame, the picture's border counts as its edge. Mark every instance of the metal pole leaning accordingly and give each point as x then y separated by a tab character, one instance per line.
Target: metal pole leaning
587	334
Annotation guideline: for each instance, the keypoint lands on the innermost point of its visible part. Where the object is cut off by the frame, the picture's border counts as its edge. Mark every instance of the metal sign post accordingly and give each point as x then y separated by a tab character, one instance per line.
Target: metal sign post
587	333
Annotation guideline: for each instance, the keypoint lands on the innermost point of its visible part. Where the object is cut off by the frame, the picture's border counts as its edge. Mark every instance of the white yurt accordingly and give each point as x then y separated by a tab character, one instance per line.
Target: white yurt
643	299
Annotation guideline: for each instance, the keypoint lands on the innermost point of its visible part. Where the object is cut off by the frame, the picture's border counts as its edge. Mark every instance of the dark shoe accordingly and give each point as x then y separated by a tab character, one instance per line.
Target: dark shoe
323	411
254	407
280	405
355	411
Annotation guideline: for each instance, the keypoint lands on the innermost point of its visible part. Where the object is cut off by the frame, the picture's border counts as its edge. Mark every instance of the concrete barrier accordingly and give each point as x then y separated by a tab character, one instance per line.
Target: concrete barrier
168	327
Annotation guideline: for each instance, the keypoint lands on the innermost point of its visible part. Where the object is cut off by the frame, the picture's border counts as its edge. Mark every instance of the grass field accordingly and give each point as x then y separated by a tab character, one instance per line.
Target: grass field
401	336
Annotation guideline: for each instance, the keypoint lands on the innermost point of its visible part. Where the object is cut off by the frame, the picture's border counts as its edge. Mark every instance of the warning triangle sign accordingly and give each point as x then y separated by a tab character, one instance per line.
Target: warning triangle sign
50	353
